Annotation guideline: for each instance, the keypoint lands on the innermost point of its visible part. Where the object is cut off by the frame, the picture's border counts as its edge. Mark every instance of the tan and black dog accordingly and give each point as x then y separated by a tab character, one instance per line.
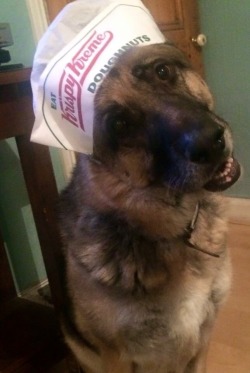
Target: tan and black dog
143	227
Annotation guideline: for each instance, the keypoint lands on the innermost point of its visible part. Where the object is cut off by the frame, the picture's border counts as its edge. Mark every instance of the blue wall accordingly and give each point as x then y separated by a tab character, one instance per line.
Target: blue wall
15	13
16	219
227	57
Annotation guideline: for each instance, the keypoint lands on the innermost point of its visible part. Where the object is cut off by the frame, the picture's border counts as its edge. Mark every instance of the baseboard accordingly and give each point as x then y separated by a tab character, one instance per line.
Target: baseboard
68	160
239	210
29	293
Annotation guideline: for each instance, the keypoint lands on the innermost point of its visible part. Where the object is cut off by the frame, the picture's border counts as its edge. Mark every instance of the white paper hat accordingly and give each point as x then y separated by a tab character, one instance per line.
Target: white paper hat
73	58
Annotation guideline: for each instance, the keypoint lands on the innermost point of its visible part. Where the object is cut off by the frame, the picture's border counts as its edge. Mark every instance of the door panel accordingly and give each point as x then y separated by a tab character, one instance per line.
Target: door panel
168	14
179	22
54	7
177	19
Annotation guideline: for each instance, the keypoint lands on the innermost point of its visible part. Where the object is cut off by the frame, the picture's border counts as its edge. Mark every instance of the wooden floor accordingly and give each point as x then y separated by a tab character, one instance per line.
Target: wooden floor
230	346
30	340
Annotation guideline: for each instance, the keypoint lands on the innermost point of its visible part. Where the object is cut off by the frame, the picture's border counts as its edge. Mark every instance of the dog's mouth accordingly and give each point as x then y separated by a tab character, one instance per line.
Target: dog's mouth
226	175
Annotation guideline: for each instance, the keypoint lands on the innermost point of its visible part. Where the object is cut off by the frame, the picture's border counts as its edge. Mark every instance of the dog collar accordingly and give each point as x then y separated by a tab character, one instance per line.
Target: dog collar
188	234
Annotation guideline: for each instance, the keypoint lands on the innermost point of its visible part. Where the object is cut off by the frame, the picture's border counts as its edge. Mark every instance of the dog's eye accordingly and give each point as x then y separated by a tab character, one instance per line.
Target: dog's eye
119	124
165	72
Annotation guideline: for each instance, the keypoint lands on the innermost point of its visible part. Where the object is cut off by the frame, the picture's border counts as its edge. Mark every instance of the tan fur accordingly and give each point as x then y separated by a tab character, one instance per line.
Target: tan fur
140	299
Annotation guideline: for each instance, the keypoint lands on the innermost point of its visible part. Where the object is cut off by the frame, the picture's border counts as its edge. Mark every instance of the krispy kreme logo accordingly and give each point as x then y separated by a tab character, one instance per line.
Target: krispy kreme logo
75	73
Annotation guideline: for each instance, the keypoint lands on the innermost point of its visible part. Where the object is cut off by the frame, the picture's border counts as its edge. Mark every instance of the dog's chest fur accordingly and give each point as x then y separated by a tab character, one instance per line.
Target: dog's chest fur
146	324
147	296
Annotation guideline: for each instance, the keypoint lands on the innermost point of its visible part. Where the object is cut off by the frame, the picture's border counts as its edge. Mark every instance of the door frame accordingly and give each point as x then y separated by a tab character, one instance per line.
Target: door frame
38	18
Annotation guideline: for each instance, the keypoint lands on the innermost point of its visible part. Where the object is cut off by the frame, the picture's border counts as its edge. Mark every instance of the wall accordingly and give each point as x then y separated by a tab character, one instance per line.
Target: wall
16	220
15	13
226	57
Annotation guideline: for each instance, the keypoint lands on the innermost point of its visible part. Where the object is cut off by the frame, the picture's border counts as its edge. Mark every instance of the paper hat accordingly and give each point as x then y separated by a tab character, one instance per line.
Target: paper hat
73	58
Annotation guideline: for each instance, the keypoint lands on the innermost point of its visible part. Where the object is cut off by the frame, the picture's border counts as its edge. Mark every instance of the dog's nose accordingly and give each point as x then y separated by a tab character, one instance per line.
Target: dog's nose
205	146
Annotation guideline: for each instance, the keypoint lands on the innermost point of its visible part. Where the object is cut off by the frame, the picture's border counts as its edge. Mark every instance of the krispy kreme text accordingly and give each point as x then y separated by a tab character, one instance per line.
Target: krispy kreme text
75	73
106	68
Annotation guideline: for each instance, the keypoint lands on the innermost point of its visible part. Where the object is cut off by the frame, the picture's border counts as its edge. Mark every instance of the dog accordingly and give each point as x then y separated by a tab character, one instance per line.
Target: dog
143	220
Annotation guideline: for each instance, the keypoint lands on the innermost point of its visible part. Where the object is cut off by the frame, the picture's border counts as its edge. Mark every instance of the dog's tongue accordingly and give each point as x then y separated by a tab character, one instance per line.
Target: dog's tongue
225	177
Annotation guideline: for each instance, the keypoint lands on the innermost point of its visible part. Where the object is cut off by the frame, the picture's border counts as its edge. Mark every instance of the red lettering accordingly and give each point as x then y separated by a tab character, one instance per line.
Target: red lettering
76	67
86	55
70	118
74	75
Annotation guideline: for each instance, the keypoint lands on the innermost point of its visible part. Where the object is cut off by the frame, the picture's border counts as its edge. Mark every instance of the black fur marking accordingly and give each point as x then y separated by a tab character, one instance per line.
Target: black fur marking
122	246
119	126
114	73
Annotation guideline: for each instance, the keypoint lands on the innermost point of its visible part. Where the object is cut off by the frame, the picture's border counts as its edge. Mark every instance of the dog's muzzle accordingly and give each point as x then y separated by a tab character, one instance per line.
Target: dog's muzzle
206	146
227	174
211	144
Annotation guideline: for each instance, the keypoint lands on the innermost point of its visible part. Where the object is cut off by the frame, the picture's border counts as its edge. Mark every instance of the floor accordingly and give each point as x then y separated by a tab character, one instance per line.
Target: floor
229	349
230	346
30	341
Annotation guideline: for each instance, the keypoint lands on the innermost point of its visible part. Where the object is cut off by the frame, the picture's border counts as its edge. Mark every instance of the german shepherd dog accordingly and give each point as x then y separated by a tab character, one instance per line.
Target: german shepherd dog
143	223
